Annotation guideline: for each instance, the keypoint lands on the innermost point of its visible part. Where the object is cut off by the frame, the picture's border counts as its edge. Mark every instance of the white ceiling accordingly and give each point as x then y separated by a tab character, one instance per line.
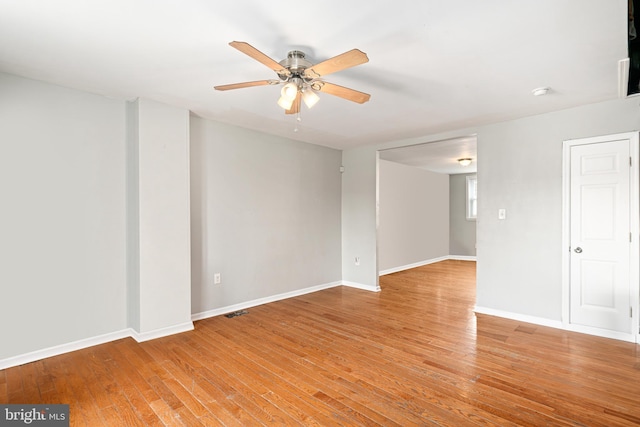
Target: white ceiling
439	156
434	65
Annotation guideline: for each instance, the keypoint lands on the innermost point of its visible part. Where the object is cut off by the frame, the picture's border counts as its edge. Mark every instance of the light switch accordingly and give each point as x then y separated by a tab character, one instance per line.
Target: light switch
502	214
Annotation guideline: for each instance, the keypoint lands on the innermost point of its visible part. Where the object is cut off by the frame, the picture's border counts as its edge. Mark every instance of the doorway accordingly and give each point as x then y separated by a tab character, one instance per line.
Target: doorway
416	188
600	289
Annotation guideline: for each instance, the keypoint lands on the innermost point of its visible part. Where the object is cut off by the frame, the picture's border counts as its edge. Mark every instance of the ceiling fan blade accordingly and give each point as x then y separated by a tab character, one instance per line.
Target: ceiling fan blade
295	107
246	84
251	51
344	92
337	63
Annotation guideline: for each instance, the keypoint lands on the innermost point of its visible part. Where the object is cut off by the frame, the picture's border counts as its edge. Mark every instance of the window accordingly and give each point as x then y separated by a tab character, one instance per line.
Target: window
472	197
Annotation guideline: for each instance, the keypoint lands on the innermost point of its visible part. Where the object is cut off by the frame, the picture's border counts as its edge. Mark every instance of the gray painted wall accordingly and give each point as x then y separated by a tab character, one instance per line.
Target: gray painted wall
414	215
259	202
133	214
265	215
272	220
164	235
462	232
359	217
62	233
519	259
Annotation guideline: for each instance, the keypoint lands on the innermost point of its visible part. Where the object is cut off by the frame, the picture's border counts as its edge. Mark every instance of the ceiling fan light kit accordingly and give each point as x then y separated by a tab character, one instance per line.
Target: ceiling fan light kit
301	79
290	90
309	97
285	102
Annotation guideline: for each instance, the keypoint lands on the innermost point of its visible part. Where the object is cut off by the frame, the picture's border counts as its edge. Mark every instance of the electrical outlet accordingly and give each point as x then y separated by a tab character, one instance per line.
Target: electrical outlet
357	260
217	279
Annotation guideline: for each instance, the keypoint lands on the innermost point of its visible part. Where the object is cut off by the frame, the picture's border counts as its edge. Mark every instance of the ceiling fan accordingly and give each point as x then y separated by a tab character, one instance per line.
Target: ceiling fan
301	78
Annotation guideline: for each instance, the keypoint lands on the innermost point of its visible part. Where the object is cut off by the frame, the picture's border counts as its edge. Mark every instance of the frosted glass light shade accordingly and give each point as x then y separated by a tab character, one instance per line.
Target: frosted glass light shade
285	102
289	91
310	98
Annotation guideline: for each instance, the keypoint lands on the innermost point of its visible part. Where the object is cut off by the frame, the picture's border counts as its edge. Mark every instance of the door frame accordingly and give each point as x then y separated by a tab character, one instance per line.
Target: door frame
634	250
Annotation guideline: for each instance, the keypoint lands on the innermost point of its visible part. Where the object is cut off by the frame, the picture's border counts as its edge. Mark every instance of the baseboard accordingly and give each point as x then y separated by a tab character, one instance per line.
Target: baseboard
57	350
426	262
604	333
162	332
159	333
410	266
261	301
371	288
63	348
519	317
462	257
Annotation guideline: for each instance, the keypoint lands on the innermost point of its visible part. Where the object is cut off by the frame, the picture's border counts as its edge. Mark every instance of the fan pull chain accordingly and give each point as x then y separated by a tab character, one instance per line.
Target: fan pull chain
298	120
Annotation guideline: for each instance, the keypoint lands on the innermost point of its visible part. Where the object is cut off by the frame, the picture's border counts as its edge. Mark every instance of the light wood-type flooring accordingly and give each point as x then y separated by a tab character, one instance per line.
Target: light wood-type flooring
412	354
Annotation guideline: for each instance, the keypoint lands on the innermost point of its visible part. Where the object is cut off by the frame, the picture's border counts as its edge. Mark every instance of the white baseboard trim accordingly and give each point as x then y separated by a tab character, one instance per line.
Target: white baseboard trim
557	324
371	288
162	332
63	348
462	258
604	333
57	350
410	266
261	301
519	317
426	262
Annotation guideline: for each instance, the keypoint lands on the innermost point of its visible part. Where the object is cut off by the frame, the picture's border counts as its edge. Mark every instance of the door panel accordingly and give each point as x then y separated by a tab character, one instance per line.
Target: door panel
598	212
599	236
598	284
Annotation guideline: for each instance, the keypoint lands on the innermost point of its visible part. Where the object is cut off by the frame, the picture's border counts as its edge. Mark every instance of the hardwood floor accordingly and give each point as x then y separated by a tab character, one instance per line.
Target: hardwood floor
413	354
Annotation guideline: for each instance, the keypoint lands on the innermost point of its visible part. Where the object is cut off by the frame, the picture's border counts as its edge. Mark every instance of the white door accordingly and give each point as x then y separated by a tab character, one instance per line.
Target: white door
600	236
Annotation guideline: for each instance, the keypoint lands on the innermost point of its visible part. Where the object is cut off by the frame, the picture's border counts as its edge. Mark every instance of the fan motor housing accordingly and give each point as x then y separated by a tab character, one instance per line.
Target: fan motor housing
295	62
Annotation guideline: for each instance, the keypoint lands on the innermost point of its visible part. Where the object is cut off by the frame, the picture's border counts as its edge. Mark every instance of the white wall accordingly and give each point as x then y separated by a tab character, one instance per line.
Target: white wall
519	259
359	222
162	289
95	220
265	215
267	212
462	232
413	217
133	215
62	220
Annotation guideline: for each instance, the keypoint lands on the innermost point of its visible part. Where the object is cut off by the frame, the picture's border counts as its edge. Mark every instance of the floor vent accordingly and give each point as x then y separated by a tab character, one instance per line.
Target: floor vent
236	313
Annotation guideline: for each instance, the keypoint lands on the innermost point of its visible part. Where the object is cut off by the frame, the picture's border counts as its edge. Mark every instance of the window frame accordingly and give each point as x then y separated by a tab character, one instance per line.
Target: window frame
468	200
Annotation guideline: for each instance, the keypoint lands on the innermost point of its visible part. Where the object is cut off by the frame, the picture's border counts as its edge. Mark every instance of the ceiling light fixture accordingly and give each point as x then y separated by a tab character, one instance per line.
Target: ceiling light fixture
288	94
285	102
290	90
464	162
309	97
301	79
540	91
297	86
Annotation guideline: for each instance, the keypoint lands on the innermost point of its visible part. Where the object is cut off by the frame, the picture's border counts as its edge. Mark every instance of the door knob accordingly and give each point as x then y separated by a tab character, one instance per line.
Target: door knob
578	250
